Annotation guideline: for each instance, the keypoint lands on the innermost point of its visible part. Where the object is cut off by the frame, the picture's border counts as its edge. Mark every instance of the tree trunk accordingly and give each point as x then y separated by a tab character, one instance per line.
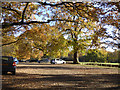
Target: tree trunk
76	60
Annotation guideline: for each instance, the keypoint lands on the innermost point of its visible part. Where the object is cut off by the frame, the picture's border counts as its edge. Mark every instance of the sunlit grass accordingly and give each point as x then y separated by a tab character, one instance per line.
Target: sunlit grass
98	63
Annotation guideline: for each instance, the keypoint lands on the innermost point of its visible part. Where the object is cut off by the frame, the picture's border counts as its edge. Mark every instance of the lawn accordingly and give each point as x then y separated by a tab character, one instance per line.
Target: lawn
100	64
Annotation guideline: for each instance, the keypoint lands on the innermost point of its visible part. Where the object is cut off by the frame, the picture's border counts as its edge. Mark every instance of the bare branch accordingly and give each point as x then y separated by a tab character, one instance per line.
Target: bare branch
24	11
31	22
44	3
12	10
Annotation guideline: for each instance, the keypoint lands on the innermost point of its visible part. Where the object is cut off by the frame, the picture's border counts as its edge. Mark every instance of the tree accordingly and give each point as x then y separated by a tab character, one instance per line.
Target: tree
113	56
22	16
48	39
95	55
78	38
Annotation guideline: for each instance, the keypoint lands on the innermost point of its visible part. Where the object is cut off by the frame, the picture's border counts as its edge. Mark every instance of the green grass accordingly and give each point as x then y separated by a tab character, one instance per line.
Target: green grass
97	66
110	63
98	63
101	64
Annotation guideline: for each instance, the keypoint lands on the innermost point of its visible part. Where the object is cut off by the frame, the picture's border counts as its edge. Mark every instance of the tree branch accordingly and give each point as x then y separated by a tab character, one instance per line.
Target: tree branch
44	3
24	11
11	42
31	22
12	10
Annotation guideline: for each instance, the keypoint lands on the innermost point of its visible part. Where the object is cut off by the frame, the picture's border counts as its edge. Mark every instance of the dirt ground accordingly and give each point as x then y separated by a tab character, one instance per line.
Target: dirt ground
61	77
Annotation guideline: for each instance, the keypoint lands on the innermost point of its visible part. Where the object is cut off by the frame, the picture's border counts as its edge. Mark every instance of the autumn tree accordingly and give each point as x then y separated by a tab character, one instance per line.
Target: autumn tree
47	39
76	19
113	56
84	26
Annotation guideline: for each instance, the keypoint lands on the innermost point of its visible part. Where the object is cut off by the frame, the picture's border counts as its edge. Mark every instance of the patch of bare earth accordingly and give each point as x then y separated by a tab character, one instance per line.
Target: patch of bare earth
65	77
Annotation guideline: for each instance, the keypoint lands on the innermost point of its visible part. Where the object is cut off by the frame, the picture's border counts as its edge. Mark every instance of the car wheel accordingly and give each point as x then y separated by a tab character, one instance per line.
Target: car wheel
13	73
63	62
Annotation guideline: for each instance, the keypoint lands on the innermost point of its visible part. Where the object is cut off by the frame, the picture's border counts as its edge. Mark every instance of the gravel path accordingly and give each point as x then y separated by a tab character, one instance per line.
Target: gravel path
60	77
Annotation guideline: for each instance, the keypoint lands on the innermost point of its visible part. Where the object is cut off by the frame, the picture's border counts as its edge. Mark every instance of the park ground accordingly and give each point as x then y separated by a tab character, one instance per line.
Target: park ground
61	77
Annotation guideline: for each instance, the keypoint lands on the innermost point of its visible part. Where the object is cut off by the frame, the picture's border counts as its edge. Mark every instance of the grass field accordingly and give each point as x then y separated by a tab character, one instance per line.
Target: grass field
98	63
101	64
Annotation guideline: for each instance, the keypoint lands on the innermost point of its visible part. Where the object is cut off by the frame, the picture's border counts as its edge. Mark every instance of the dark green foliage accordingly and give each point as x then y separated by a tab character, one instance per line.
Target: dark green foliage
94	56
113	57
100	56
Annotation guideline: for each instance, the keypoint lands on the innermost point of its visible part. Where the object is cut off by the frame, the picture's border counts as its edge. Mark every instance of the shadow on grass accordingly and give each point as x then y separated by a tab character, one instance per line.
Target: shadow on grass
24	81
58	67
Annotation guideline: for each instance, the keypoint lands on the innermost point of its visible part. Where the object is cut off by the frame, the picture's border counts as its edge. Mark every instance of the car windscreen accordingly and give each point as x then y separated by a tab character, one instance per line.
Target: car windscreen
7	58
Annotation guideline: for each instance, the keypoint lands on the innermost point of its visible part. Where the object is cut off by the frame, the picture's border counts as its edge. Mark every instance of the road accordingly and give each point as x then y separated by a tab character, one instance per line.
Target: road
60	77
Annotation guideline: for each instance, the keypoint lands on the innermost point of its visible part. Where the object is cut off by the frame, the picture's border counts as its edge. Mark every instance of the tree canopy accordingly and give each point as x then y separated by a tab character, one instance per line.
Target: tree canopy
54	27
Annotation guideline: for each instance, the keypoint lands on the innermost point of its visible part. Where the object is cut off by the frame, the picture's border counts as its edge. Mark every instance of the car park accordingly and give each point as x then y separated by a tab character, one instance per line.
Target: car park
8	65
57	61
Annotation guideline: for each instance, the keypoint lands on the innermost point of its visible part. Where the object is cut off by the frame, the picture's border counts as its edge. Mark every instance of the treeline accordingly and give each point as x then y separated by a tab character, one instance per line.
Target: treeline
100	56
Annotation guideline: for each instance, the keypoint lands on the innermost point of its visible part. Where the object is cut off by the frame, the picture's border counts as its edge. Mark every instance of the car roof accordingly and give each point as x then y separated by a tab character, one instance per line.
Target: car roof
6	56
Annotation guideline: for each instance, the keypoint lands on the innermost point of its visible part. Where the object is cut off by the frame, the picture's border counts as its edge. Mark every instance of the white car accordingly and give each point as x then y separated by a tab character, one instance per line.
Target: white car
58	61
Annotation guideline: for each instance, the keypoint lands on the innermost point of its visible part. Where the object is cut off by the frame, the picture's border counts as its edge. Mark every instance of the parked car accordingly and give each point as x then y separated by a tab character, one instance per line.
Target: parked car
8	64
35	60
22	60
57	61
44	61
32	60
15	59
67	59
